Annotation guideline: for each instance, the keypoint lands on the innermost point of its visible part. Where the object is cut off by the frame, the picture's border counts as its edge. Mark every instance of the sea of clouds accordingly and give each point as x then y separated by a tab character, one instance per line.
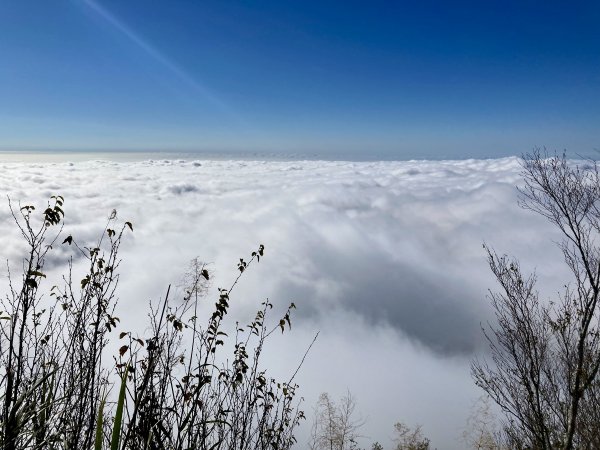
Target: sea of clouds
385	259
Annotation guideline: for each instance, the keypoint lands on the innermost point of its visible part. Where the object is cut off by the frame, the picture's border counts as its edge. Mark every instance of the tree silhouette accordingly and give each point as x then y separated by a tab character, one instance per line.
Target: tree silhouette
546	355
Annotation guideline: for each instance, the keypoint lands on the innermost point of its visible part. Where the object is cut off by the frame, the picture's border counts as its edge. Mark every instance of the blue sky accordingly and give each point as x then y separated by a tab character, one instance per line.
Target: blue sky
387	79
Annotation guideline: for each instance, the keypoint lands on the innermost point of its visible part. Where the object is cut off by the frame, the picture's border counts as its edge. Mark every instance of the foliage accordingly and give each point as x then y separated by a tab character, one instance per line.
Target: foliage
176	389
546	355
481	431
410	438
335	426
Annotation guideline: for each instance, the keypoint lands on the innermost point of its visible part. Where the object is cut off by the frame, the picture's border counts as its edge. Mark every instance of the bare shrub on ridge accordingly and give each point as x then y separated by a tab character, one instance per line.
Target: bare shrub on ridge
172	389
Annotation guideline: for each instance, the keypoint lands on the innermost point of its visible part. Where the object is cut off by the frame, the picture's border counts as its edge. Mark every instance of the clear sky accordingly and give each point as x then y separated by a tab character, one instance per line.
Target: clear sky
389	79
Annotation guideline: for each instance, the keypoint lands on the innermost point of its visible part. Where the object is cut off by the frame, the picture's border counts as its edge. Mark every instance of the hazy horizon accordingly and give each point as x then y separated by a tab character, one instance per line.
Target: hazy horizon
249	155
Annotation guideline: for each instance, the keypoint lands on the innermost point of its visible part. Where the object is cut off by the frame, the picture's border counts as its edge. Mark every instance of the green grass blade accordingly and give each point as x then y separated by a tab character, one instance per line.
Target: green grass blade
116	433
99	421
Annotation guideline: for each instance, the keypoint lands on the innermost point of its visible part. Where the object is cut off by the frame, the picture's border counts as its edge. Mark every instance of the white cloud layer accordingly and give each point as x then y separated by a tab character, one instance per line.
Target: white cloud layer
384	258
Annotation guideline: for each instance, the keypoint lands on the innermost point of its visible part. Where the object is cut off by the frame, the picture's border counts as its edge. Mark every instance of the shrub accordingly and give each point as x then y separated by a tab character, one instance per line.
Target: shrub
176	390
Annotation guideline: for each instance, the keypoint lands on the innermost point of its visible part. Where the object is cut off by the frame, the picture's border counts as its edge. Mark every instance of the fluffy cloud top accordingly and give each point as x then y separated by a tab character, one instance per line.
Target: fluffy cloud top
385	258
